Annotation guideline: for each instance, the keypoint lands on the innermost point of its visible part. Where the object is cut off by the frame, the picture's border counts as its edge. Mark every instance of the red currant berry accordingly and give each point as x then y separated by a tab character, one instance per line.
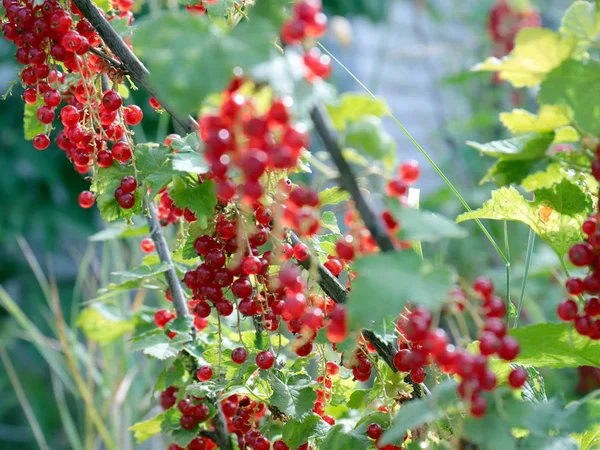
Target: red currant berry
133	114
41	142
581	254
128	184
239	355
374	431
86	199
409	172
517	378
204	373
265	360
111	100
567	310
147	245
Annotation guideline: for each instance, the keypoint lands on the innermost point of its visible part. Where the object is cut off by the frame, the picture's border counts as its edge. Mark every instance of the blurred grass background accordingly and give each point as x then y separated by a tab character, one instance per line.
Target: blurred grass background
46	260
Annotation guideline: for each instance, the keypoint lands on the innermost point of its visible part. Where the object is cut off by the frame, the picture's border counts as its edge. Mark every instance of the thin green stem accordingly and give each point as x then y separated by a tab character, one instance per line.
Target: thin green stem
530	243
507	253
564	266
426	156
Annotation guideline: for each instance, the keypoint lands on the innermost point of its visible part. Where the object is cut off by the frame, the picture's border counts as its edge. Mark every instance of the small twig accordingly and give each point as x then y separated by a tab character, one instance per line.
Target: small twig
109	59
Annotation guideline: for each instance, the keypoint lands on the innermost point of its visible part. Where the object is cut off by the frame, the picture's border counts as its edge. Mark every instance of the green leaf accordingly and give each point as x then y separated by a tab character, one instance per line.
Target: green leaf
154	167
273	10
581	21
111	233
296	433
418	225
333	196
573	84
555	345
591	440
359	398
368	136
31	125
103	4
190	162
188	144
396	277
157	344
144	271
548	118
522	148
295	397
506	172
553	174
200	390
351	107
342	437
329	221
415	413
183	437
163	43
143	431
537	51
109	206
219	9
534	389
493	431
198	198
101	326
556	214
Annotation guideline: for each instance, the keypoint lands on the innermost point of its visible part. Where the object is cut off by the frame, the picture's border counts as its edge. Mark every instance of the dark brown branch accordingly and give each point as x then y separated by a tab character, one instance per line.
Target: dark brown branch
162	249
329	137
136	69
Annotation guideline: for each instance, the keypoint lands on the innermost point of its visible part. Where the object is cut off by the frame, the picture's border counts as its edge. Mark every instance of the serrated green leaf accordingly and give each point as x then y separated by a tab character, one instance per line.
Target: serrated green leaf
188	144
555	345
368	137
31	125
522	148
342	437
537	51
103	4
418	225
155	169
333	196
566	135
157	344
296	433
163	44
219	10
143	431
553	174
351	107
198	198
396	278
359	398
506	172
183	437
493	431
190	162
581	21
295	397
200	390
418	412
109	206
329	221
99	325
548	118
583	82
556	214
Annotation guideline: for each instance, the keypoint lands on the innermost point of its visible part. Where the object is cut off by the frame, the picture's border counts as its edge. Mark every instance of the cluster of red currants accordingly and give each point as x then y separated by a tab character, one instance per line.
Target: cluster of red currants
420	345
46	34
308	22
585	254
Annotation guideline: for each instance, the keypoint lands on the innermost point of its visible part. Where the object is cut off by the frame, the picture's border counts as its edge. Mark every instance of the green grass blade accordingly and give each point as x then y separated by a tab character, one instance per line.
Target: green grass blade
65	416
16	384
530	244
